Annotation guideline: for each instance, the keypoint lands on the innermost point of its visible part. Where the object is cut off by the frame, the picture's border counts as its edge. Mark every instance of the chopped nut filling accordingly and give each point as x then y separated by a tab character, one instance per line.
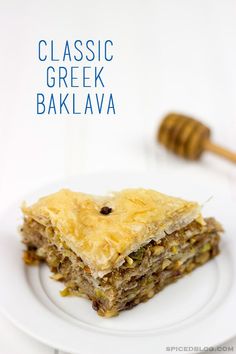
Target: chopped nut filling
143	274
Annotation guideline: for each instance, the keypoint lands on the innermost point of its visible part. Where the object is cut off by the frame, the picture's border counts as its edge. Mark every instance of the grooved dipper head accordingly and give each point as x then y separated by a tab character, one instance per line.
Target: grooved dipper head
183	135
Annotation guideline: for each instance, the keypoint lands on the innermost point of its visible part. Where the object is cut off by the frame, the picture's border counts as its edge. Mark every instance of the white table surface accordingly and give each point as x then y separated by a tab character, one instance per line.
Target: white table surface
169	55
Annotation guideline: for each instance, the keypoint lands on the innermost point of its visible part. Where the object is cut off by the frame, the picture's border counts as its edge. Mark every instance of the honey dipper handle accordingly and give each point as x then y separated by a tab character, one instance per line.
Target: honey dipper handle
219	150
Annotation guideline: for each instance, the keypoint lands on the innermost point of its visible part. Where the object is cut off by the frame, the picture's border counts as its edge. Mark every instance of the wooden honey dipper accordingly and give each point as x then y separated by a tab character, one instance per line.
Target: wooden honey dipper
189	138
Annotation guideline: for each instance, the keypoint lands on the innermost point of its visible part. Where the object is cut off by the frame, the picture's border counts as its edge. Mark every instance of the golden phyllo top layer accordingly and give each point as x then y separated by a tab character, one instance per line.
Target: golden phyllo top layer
104	230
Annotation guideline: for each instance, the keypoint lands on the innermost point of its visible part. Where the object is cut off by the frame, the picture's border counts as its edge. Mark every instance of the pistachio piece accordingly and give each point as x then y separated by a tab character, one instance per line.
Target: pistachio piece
151	293
100	294
174	249
138	255
178	264
165	263
157	250
190	267
202	258
205	247
65	292
56	276
129	260
192	240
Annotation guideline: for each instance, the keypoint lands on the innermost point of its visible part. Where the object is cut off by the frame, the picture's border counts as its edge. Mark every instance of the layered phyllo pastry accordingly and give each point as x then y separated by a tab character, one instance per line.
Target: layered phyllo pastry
117	250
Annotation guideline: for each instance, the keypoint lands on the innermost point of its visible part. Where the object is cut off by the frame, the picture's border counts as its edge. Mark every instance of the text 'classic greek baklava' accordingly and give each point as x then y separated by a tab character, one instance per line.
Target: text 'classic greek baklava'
118	250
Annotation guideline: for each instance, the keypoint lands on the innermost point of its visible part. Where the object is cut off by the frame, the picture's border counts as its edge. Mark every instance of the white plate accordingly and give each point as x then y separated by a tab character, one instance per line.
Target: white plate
195	311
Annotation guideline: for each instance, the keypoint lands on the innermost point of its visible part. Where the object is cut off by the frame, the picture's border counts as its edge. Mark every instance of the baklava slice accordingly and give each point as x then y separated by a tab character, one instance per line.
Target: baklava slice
119	250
